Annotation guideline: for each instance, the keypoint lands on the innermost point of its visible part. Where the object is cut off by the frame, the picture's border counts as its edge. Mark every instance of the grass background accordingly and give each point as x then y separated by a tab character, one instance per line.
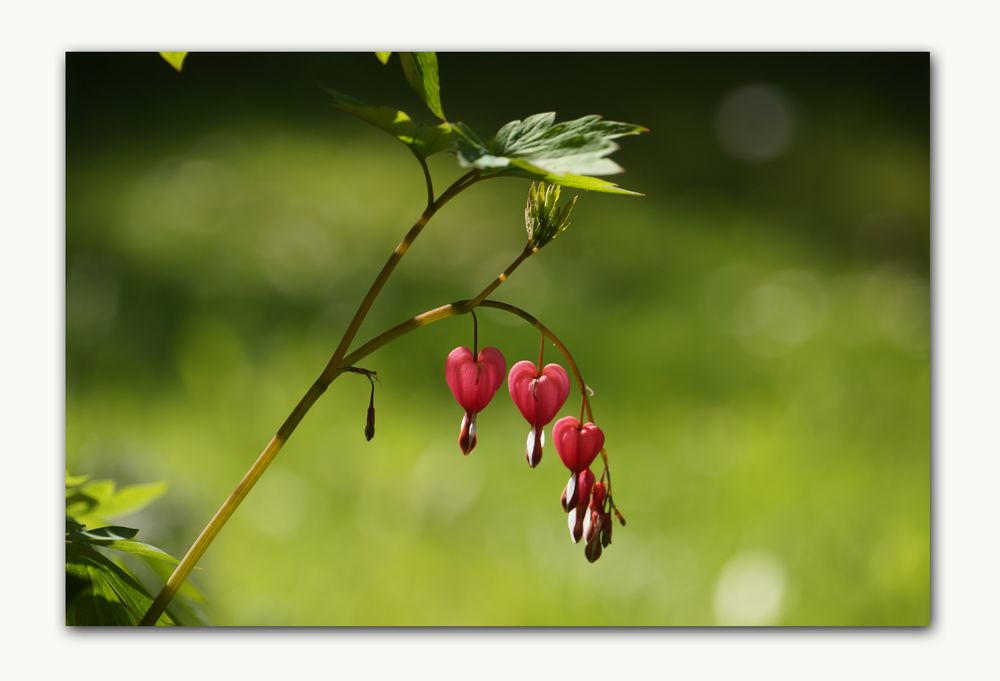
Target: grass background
756	329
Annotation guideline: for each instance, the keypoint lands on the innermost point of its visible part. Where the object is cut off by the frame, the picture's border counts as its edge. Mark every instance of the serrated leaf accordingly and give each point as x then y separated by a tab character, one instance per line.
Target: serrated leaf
424	140
383	56
421	71
569	153
175	59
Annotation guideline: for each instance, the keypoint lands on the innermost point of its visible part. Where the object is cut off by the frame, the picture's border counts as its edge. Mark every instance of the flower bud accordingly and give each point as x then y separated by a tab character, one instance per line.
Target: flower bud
584	485
569	494
533	449
473	382
593	548
575	522
467	435
605	531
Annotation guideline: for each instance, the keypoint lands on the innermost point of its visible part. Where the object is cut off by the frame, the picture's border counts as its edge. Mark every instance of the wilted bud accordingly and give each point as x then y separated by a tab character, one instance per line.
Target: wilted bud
370	421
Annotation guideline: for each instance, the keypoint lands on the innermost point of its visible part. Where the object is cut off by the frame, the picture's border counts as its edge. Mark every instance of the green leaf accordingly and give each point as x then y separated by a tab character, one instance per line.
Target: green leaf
110	533
383	56
75	480
175	59
132	498
120	539
424	140
98	592
97	501
421	71
569	153
138	548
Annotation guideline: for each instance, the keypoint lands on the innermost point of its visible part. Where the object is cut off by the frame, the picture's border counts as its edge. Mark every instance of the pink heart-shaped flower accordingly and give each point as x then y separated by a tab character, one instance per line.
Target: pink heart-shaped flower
577	446
474	382
538	397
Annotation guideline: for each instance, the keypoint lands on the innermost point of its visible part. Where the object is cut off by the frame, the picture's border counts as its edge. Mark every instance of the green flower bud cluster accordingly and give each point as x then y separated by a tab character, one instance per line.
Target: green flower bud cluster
543	217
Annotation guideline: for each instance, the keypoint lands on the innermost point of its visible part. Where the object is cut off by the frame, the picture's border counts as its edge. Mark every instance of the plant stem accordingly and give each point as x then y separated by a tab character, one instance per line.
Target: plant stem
332	370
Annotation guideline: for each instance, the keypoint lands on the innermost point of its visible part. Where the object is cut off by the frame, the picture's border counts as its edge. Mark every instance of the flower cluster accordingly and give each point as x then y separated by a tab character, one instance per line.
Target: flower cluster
539	393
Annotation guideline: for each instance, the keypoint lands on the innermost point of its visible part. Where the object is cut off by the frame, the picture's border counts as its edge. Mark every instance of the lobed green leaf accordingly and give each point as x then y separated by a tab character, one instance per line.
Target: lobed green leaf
569	153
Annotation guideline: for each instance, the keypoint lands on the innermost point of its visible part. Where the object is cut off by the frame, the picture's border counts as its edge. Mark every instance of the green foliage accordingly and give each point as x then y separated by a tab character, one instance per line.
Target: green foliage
175	59
94	503
424	140
569	153
421	71
100	591
544	219
383	56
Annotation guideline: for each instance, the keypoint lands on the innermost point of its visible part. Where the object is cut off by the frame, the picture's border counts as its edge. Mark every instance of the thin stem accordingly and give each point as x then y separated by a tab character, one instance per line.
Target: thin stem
475	334
541	351
332	370
200	545
427	179
460	184
461	307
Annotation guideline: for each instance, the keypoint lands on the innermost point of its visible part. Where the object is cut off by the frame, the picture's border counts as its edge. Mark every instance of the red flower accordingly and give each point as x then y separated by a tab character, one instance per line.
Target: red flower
539	395
473	383
577	445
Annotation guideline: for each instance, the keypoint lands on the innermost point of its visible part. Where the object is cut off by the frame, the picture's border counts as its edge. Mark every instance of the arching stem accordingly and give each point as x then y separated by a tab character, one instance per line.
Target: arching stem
319	386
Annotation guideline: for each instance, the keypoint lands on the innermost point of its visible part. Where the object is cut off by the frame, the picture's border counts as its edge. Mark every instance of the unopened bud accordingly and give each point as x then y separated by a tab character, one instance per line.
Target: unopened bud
591	524
467	435
593	549
605	532
533	451
569	494
597	496
584	484
575	522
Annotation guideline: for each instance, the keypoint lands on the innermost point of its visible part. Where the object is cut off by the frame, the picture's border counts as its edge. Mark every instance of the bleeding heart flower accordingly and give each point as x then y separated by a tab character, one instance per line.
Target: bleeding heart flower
473	383
577	445
579	512
539	395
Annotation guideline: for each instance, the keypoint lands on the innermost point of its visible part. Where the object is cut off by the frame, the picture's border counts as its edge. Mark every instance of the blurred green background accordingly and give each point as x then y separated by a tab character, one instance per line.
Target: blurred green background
756	329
